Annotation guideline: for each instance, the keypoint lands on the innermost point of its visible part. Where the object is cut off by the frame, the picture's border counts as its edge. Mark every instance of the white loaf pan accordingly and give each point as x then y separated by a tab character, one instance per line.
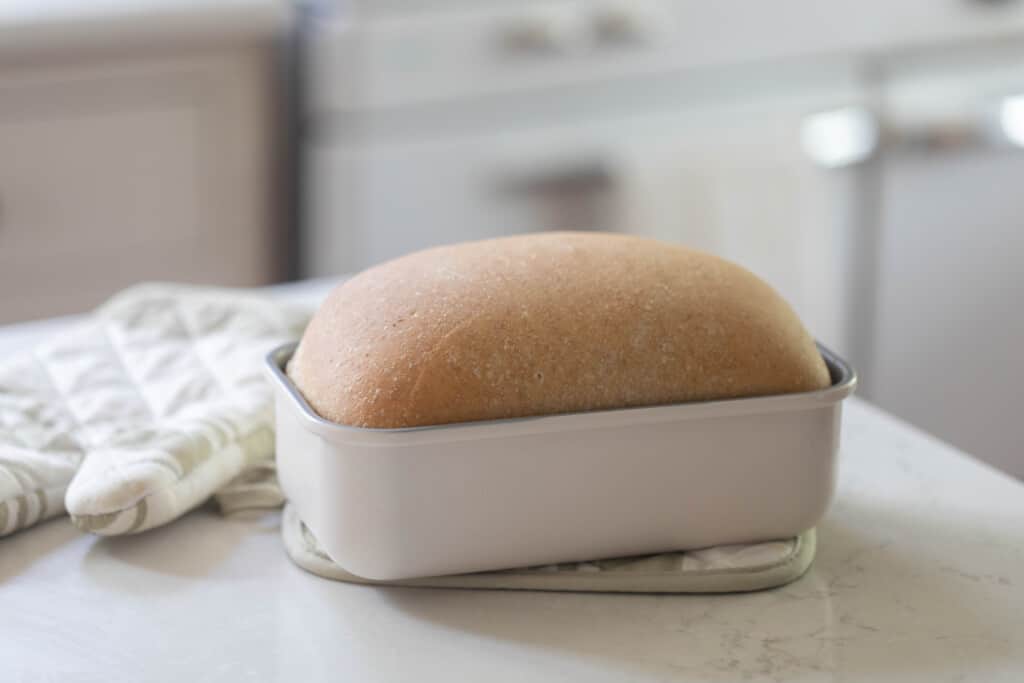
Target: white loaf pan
425	501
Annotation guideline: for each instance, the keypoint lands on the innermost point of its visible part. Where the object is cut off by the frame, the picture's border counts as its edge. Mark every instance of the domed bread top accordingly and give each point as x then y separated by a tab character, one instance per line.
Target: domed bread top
547	323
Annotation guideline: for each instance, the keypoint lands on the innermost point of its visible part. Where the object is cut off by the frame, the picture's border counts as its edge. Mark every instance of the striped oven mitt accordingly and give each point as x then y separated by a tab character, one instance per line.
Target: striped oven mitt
144	411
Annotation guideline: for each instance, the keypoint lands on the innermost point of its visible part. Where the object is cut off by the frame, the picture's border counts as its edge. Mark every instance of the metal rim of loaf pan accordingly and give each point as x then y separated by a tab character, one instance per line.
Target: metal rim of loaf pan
476	496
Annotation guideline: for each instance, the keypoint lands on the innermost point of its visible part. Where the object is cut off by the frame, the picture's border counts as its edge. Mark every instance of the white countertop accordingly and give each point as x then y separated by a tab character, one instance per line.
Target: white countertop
919	577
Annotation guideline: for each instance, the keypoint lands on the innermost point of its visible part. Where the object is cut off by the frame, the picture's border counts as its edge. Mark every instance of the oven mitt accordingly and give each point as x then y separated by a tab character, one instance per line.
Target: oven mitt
722	569
144	411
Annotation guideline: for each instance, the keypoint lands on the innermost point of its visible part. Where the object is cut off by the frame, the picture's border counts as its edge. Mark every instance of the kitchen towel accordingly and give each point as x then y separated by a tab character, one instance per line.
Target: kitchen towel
722	569
144	411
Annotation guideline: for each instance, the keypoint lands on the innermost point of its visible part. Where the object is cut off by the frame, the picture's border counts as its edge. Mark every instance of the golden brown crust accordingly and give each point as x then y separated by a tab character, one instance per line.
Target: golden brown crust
547	323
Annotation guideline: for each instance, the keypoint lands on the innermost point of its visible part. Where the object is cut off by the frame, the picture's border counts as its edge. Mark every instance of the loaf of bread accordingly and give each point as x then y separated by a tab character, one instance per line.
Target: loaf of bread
547	323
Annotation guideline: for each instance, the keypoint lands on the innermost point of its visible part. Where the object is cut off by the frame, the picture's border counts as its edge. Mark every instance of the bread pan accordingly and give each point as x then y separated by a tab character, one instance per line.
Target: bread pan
426	501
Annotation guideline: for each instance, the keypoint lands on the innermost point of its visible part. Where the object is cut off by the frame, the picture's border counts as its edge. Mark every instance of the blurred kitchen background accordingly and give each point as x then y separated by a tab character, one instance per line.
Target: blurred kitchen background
865	157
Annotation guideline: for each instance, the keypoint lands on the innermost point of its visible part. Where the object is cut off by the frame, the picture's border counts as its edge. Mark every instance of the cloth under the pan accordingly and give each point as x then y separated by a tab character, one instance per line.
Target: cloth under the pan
723	569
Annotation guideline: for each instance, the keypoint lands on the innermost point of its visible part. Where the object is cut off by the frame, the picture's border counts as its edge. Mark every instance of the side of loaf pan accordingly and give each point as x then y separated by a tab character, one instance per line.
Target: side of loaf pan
402	503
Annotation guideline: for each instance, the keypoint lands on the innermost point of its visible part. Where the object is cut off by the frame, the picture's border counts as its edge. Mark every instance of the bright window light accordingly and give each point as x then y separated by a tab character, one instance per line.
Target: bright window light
839	137
1011	119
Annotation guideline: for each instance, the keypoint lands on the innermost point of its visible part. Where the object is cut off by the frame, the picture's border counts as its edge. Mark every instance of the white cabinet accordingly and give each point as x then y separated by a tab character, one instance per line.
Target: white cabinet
115	171
949	326
726	177
948	332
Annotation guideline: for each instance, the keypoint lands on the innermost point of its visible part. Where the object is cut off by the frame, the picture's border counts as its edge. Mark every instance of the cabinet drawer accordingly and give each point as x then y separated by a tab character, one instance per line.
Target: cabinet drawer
73	187
111	179
98	198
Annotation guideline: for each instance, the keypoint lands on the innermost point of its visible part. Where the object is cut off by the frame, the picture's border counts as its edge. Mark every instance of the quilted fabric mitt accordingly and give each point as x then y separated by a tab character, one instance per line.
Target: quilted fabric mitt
144	411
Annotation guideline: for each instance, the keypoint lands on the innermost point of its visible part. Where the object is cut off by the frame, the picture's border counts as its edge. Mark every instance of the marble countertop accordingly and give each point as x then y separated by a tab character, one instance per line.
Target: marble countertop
919	577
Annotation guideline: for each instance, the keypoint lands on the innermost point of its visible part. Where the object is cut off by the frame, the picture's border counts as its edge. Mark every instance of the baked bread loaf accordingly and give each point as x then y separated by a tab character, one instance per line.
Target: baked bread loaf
547	323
